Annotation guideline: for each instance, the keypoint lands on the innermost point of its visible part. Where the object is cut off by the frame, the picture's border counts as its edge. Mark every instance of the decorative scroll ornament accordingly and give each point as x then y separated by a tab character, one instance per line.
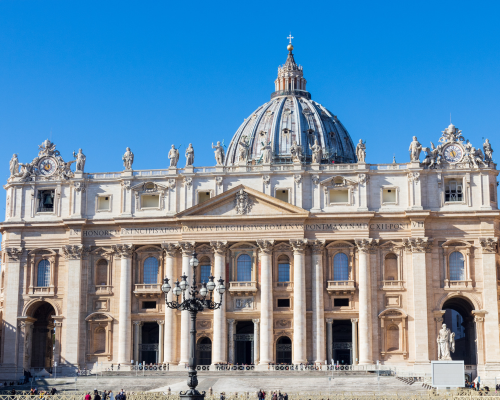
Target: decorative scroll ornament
418	245
219	247
363	178
266	179
170	249
243	204
298	245
413	176
265	246
79	186
188	181
75	252
126	185
489	245
367	245
317	246
219	180
297	179
315	180
14	253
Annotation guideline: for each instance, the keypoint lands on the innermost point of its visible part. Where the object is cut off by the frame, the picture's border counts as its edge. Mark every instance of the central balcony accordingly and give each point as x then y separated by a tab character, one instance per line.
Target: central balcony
240	288
147	290
37	291
340	287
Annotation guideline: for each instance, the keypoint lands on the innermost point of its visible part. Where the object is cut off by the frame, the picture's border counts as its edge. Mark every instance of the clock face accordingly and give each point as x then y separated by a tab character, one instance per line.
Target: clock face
47	166
453	153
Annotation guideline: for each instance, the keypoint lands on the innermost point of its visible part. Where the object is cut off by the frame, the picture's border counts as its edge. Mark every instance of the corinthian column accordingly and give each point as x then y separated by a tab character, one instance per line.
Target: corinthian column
318	306
231	340
74	255
256	341
266	300
170	322
124	251
419	247
365	347
219	336
187	251
299	301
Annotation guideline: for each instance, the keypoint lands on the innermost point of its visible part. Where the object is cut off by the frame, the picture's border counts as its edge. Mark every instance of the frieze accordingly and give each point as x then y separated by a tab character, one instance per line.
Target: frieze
244	303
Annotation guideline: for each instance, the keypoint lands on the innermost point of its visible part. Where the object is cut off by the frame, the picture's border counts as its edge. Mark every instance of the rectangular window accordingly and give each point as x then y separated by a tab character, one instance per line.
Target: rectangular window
103	203
203	196
341	302
453	190
45	200
339	196
283	302
283	272
149	305
150	201
204	273
388	195
282	194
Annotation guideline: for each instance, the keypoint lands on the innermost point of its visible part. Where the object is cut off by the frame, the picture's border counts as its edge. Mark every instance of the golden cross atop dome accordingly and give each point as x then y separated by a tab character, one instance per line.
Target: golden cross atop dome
290	37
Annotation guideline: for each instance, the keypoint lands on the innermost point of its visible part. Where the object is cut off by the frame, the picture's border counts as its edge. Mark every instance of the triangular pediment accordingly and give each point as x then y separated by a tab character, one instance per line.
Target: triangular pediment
242	201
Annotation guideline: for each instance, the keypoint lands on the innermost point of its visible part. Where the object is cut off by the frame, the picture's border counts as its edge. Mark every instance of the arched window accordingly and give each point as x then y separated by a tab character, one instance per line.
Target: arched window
340	267
151	270
244	265
43	277
99	340
391	267
457	270
101	275
205	269
284	350
283	269
392	338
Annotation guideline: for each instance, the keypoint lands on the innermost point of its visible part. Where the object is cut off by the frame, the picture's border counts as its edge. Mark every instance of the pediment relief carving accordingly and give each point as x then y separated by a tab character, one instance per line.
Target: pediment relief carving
456	243
150	187
282	247
338	181
340	244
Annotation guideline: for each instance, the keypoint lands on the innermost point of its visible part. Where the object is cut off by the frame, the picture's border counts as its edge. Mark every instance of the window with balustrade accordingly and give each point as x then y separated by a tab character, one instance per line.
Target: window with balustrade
101	273
43	274
150	270
205	269
457	266
391	267
340	267
283	269
244	268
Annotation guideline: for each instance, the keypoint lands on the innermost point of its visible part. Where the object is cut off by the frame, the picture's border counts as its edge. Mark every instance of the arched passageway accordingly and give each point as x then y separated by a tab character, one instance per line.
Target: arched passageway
459	319
42	342
283	350
204	351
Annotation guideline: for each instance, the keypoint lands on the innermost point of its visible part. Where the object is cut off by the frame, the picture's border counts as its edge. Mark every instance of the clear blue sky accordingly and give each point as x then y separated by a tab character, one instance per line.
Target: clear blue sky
103	75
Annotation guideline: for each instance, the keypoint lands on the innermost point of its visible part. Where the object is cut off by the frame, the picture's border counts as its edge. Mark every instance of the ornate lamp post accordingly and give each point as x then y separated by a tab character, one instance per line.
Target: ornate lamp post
195	302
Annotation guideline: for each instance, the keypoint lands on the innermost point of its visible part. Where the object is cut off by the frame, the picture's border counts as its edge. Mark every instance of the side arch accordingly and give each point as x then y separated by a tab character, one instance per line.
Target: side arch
31	306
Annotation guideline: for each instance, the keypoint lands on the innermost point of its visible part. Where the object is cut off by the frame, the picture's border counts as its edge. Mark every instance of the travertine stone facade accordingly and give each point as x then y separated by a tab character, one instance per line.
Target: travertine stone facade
337	260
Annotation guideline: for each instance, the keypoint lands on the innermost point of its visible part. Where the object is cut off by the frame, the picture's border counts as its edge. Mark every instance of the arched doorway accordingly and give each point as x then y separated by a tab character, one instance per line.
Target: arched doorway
42	344
204	351
459	319
149	343
243	342
283	350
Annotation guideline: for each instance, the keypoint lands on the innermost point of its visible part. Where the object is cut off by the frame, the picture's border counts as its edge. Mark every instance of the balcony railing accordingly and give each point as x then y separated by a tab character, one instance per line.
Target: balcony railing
42	291
393	285
341	286
103	289
243	287
283	285
147	289
453	285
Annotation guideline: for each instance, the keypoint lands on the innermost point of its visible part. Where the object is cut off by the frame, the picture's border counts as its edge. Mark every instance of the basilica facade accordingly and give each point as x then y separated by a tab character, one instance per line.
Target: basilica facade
324	256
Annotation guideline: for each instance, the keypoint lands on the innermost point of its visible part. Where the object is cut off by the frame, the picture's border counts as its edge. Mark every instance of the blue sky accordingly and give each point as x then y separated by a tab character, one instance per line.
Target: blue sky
110	74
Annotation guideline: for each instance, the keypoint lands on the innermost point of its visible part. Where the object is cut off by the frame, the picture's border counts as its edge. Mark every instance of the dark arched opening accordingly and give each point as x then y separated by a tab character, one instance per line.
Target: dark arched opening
283	350
149	342
243	341
459	319
204	351
42	343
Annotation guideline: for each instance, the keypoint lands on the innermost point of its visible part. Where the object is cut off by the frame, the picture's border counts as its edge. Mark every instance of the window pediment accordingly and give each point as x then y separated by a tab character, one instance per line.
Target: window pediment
338	181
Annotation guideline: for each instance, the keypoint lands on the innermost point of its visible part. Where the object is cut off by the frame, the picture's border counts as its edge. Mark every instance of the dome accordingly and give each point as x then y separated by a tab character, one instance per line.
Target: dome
291	116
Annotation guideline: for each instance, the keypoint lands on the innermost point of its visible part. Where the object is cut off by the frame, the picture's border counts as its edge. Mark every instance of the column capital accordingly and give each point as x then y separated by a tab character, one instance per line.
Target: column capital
298	245
418	245
187	248
160	322
137	323
489	245
354	320
170	249
230	321
256	321
366	245
265	246
75	251
123	250
317	246
219	247
14	253
329	320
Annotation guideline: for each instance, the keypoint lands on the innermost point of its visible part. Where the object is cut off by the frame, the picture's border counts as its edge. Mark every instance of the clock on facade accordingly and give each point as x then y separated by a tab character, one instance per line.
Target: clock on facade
453	153
47	166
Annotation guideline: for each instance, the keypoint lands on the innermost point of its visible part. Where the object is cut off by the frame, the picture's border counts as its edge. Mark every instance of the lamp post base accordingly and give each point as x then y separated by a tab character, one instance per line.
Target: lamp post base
192	394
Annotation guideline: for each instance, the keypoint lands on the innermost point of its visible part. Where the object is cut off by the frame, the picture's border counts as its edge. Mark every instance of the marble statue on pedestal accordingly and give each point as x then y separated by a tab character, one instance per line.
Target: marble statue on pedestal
128	159
219	153
189	155
361	151
266	153
243	150
488	151
415	149
317	152
173	156
446	343
80	161
14	166
296	151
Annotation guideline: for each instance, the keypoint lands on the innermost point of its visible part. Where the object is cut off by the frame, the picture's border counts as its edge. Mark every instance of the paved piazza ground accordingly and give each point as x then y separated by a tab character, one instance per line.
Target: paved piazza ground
245	382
